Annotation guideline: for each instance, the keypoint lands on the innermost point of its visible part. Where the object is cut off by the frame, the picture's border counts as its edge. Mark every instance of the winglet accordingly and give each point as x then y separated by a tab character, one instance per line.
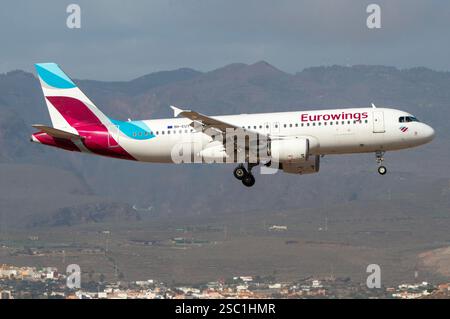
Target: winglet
176	111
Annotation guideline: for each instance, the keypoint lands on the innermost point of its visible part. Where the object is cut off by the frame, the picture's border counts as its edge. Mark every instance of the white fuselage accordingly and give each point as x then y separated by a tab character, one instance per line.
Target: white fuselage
291	141
338	131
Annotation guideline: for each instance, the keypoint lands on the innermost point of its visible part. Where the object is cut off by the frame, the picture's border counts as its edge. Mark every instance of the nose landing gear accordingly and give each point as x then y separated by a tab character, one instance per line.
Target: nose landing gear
381	169
245	175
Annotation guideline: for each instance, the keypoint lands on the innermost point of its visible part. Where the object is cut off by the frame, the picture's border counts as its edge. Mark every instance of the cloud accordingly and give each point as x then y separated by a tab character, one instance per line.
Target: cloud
123	39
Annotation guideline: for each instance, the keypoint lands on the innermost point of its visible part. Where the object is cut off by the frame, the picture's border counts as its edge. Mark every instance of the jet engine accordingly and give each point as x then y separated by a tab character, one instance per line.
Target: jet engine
309	166
293	150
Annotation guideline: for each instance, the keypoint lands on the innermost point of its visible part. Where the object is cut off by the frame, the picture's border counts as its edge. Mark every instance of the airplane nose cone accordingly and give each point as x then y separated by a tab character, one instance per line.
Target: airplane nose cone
429	133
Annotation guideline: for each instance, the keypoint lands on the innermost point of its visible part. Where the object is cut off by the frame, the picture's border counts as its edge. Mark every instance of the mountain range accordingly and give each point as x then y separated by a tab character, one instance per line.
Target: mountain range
45	186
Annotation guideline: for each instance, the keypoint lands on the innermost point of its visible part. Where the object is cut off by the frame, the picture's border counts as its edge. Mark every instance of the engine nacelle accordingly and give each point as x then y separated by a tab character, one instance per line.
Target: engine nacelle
293	150
310	166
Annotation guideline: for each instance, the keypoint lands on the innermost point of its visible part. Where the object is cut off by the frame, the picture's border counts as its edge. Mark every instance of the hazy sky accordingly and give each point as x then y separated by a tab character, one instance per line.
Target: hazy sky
125	39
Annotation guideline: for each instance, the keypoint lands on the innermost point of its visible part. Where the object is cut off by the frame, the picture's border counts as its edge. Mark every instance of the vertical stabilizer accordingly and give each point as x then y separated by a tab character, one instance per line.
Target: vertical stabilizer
68	106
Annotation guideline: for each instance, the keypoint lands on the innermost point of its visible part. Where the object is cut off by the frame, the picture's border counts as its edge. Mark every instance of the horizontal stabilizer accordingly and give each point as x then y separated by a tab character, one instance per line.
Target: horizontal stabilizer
56	132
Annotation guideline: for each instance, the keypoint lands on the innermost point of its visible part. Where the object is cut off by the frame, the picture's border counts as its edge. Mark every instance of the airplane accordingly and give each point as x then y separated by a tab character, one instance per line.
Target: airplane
293	142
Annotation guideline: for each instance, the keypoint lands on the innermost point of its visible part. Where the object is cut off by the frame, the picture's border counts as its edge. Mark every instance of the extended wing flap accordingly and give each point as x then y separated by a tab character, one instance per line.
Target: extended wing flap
56	132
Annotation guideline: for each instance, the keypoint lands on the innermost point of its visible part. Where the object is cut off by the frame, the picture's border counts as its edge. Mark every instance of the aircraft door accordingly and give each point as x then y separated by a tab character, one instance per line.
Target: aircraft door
378	122
113	136
267	128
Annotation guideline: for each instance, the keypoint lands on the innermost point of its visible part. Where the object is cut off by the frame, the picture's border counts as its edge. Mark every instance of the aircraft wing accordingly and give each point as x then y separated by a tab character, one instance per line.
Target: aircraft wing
206	122
217	128
56	132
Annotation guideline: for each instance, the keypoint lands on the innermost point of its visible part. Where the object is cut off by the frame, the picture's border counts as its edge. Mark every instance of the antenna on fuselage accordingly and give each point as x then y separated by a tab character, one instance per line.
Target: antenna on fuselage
373	106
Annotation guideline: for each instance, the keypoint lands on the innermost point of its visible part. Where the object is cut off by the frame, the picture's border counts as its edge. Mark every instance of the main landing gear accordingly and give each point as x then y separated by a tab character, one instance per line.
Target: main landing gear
245	175
381	169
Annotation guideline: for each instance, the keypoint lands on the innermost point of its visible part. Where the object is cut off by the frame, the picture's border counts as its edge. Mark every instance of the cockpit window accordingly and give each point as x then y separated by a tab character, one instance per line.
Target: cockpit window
403	119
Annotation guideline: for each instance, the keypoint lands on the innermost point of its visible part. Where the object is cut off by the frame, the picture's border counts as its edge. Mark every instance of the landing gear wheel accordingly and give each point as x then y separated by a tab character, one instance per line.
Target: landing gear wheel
248	180
239	172
380	158
382	170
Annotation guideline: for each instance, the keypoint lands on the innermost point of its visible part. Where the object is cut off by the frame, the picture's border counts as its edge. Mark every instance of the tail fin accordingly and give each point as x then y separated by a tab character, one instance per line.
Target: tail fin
68	106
